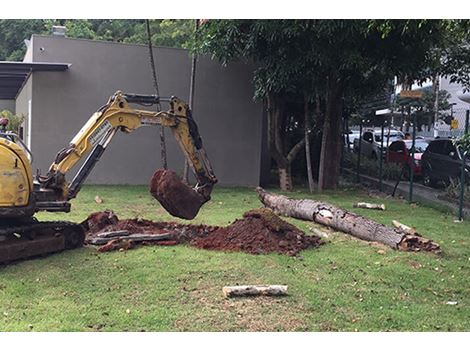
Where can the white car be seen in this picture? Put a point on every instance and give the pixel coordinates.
(371, 141)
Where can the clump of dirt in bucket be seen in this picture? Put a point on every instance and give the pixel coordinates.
(259, 231)
(177, 198)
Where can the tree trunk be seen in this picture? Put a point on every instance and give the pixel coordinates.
(285, 178)
(330, 155)
(345, 221)
(276, 141)
(435, 86)
(307, 145)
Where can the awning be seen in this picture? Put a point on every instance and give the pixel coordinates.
(14, 74)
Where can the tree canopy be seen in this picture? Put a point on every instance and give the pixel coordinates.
(337, 62)
(172, 33)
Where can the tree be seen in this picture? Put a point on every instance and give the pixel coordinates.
(276, 48)
(334, 59)
(424, 108)
(172, 33)
(12, 35)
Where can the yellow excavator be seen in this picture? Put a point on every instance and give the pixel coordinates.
(22, 195)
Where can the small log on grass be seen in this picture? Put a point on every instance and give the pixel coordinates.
(255, 290)
(345, 221)
(369, 206)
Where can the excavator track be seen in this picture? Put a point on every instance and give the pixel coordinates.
(35, 238)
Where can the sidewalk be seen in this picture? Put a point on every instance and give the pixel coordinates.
(421, 193)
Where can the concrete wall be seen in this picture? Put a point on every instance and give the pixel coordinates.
(7, 105)
(229, 121)
(22, 108)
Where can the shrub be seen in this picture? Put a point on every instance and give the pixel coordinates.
(370, 167)
(15, 121)
(453, 190)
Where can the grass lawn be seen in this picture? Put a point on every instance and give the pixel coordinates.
(345, 285)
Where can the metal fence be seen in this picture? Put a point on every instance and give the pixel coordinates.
(455, 127)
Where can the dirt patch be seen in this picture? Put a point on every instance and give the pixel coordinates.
(259, 231)
(97, 221)
(177, 198)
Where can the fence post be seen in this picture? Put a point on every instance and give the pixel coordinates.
(381, 156)
(358, 167)
(462, 172)
(412, 159)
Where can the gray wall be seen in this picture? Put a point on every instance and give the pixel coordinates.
(22, 108)
(7, 105)
(229, 121)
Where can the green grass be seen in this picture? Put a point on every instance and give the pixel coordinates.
(345, 285)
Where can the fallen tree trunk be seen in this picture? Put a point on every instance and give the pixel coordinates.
(345, 221)
(252, 290)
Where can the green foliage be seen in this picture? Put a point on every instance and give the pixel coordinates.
(12, 35)
(15, 121)
(171, 33)
(424, 107)
(464, 143)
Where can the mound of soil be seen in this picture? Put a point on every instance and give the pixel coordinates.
(177, 198)
(260, 231)
(97, 221)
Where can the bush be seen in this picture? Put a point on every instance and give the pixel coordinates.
(453, 190)
(370, 167)
(15, 121)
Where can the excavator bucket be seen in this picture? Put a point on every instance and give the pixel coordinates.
(177, 198)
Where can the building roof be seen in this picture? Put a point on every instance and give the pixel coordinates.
(13, 75)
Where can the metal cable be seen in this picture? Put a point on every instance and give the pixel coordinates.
(155, 86)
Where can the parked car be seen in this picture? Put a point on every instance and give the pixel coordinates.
(442, 161)
(400, 152)
(371, 141)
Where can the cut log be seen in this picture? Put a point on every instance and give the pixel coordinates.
(112, 234)
(136, 237)
(369, 206)
(345, 221)
(255, 290)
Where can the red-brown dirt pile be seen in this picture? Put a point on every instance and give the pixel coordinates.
(260, 231)
(177, 198)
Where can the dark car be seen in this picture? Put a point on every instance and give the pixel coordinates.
(442, 161)
(400, 152)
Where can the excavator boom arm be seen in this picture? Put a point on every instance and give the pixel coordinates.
(118, 115)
